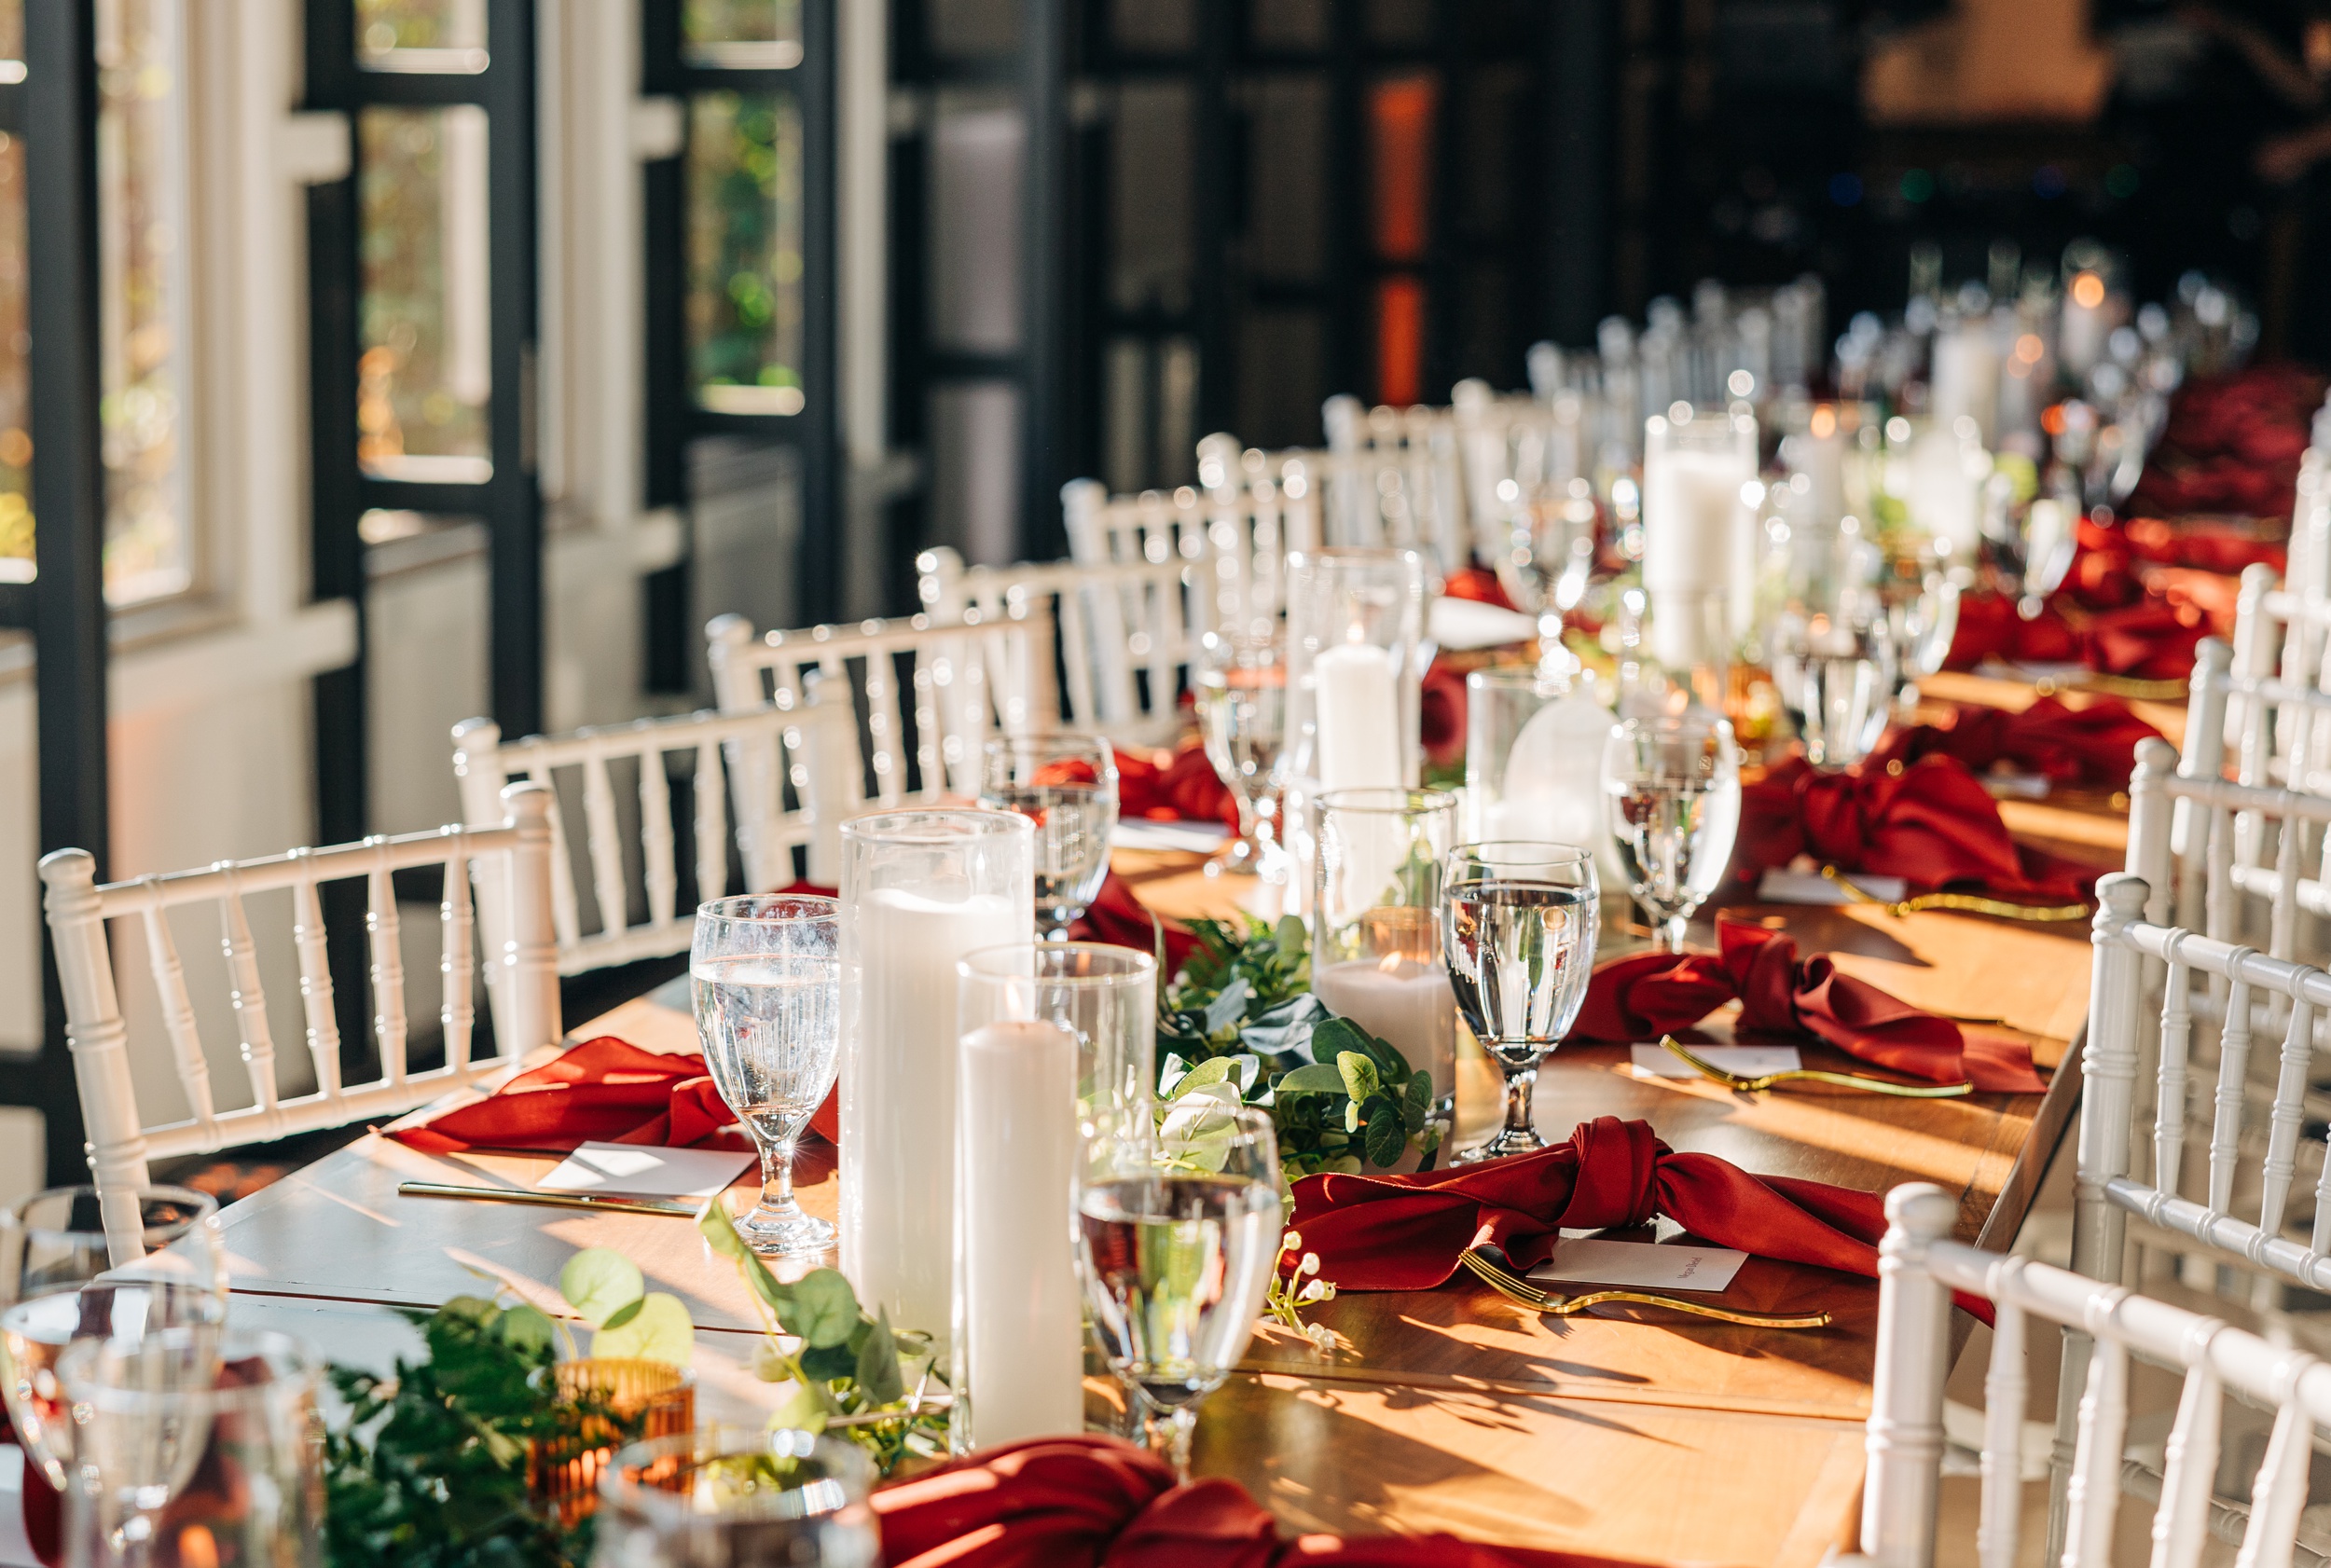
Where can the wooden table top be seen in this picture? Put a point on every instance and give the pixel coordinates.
(1445, 1410)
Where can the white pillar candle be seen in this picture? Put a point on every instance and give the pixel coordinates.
(1691, 509)
(1358, 709)
(2086, 325)
(1401, 1001)
(898, 1092)
(1965, 378)
(1021, 1312)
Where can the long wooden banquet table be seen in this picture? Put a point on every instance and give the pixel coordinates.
(1633, 1434)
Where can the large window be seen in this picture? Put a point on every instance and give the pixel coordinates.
(141, 183)
(742, 298)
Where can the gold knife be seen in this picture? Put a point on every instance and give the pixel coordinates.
(545, 1199)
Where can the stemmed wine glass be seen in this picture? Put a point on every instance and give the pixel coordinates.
(1672, 788)
(1178, 1235)
(766, 973)
(59, 1285)
(1067, 784)
(1518, 933)
(1242, 715)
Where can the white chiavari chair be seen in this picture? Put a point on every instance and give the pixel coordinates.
(733, 766)
(1260, 507)
(1396, 478)
(2108, 1328)
(520, 970)
(1125, 639)
(905, 702)
(2274, 713)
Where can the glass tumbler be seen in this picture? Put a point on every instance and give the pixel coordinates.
(1672, 793)
(196, 1447)
(766, 972)
(1375, 922)
(738, 1497)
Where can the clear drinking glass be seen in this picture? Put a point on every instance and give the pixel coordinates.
(196, 1446)
(1354, 661)
(57, 1285)
(1672, 786)
(1178, 1235)
(1375, 923)
(1520, 921)
(737, 1497)
(1836, 682)
(1242, 715)
(1067, 785)
(1104, 995)
(767, 975)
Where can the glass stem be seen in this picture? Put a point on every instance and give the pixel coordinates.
(1520, 1083)
(777, 1177)
(1672, 933)
(1167, 1432)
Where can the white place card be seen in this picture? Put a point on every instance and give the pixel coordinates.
(1745, 1060)
(1145, 834)
(1811, 886)
(1640, 1266)
(636, 1170)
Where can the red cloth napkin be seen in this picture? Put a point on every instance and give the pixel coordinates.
(2093, 745)
(43, 1505)
(1407, 1233)
(1173, 786)
(1930, 822)
(604, 1091)
(1118, 917)
(1099, 1502)
(1647, 995)
(2151, 641)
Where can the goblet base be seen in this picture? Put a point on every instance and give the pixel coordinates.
(1507, 1141)
(777, 1234)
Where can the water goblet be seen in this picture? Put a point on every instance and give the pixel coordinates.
(766, 974)
(1067, 785)
(1178, 1236)
(1670, 785)
(1242, 715)
(1519, 923)
(59, 1284)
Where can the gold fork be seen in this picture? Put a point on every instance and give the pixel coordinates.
(1972, 904)
(1523, 1293)
(1708, 1069)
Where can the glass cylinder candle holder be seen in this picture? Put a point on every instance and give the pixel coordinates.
(1056, 1045)
(919, 890)
(725, 1496)
(1700, 529)
(1375, 944)
(1355, 652)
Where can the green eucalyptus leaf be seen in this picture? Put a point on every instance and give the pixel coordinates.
(1359, 1073)
(526, 1330)
(1229, 1006)
(1387, 1137)
(1173, 1066)
(1419, 1089)
(1318, 1078)
(1291, 935)
(623, 1315)
(825, 1308)
(769, 1363)
(808, 1410)
(660, 1331)
(715, 1226)
(824, 1363)
(599, 1281)
(1218, 1070)
(878, 1374)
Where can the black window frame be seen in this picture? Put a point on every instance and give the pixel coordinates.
(674, 417)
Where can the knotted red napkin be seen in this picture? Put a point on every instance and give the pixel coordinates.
(1099, 1502)
(603, 1091)
(1930, 822)
(2093, 745)
(1647, 995)
(1173, 786)
(1407, 1233)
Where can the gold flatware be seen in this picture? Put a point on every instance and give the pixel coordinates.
(547, 1200)
(2112, 685)
(1971, 904)
(1708, 1069)
(1523, 1293)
